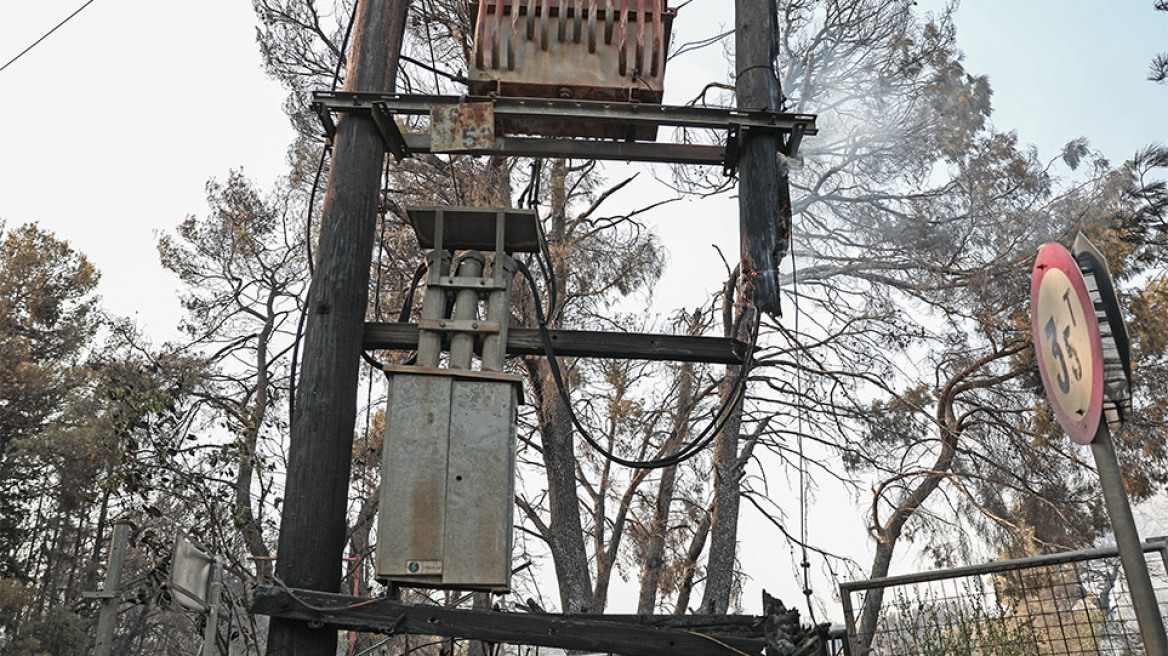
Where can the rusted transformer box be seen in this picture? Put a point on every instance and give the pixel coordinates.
(599, 50)
(447, 479)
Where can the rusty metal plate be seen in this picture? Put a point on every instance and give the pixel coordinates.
(480, 485)
(464, 128)
(411, 545)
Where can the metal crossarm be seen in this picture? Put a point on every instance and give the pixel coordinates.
(734, 123)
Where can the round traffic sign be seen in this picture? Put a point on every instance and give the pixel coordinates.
(1066, 342)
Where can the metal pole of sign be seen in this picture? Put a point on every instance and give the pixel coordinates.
(1127, 540)
(108, 618)
(209, 647)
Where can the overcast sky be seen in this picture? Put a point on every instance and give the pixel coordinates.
(113, 125)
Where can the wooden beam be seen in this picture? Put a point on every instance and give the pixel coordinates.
(626, 635)
(584, 344)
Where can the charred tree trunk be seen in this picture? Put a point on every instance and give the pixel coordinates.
(738, 318)
(566, 535)
(697, 545)
(654, 560)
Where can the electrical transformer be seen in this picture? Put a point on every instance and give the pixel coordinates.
(448, 467)
(595, 50)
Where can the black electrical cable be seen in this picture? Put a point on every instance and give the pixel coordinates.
(295, 363)
(46, 35)
(543, 256)
(708, 434)
(403, 315)
(344, 47)
(308, 223)
(408, 306)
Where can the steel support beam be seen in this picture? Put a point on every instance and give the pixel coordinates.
(583, 344)
(710, 118)
(625, 151)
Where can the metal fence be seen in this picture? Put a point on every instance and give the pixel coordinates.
(1057, 605)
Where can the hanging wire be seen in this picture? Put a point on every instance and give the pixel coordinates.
(45, 36)
(805, 563)
(311, 274)
(703, 440)
(341, 59)
(543, 256)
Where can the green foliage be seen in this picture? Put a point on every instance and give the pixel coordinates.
(61, 633)
(48, 314)
(14, 598)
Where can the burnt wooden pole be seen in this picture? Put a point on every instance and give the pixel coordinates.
(312, 531)
(764, 205)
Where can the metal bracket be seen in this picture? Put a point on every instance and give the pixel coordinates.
(390, 132)
(794, 141)
(459, 326)
(733, 145)
(463, 282)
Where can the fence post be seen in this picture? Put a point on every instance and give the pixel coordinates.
(849, 619)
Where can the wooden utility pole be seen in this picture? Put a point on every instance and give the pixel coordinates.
(764, 197)
(764, 212)
(312, 533)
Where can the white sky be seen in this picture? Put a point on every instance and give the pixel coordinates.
(113, 125)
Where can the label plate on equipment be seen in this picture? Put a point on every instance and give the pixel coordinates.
(424, 567)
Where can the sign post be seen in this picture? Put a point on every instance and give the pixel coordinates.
(1070, 351)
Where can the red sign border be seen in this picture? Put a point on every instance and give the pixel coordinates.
(1055, 256)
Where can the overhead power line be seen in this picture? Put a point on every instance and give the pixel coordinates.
(46, 35)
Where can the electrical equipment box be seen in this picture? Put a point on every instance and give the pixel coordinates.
(448, 469)
(447, 479)
(600, 50)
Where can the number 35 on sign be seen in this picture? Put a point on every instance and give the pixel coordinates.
(1066, 342)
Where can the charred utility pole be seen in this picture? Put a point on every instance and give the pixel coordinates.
(312, 533)
(764, 196)
(764, 212)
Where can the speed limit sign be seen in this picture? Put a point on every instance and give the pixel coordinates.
(1066, 342)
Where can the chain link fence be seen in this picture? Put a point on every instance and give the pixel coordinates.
(1057, 605)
